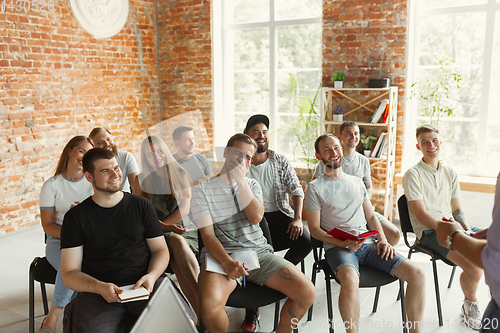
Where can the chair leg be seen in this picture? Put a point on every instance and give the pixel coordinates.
(44, 298)
(452, 276)
(375, 302)
(329, 302)
(438, 296)
(403, 307)
(313, 280)
(303, 266)
(276, 315)
(31, 301)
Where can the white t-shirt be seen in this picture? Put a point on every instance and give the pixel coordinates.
(263, 174)
(340, 202)
(128, 165)
(434, 187)
(60, 193)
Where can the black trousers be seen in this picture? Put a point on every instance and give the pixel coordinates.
(89, 312)
(298, 248)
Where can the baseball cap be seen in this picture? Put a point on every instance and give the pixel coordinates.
(256, 119)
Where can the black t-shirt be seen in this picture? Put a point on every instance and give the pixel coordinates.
(113, 239)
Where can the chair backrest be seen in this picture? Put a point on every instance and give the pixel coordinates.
(404, 218)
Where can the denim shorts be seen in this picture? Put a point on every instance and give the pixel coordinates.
(338, 257)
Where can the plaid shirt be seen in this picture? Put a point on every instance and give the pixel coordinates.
(285, 182)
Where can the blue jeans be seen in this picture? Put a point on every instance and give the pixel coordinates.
(338, 257)
(62, 295)
(491, 318)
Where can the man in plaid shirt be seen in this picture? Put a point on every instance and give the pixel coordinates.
(279, 182)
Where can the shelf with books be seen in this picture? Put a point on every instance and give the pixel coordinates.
(364, 107)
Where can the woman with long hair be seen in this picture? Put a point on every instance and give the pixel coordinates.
(168, 186)
(67, 188)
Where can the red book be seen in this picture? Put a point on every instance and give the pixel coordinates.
(386, 114)
(344, 233)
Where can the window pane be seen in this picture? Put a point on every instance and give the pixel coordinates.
(299, 46)
(450, 3)
(251, 49)
(308, 83)
(251, 92)
(493, 129)
(293, 9)
(459, 148)
(244, 11)
(460, 35)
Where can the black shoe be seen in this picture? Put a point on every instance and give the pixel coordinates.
(251, 321)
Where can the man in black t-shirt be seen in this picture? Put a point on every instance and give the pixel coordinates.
(110, 240)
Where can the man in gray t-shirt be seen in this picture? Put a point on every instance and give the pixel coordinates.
(196, 165)
(338, 199)
(228, 209)
(358, 165)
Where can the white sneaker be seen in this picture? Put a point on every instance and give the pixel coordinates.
(471, 316)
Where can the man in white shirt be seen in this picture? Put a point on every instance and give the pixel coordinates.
(433, 191)
(356, 164)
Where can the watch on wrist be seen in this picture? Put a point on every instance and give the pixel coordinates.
(449, 239)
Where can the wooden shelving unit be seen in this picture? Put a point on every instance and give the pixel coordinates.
(360, 103)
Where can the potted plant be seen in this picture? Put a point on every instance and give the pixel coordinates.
(338, 79)
(367, 141)
(338, 113)
(438, 95)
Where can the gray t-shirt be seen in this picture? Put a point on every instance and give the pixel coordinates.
(128, 165)
(263, 174)
(197, 166)
(355, 165)
(340, 202)
(231, 226)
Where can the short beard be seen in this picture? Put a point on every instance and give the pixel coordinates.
(107, 190)
(262, 148)
(186, 152)
(330, 166)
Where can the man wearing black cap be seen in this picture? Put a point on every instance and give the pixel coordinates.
(279, 182)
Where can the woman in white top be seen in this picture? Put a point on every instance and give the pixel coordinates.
(66, 189)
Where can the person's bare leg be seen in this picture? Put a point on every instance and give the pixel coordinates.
(191, 295)
(391, 232)
(186, 268)
(349, 297)
(469, 279)
(300, 291)
(215, 289)
(415, 293)
(52, 316)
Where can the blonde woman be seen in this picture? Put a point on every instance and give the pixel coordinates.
(67, 188)
(168, 186)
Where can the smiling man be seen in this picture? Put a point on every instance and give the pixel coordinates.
(339, 199)
(279, 182)
(103, 139)
(433, 191)
(228, 209)
(110, 240)
(356, 164)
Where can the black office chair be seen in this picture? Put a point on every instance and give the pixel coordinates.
(254, 295)
(42, 271)
(406, 227)
(369, 277)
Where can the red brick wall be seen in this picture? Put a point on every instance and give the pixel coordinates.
(185, 53)
(57, 81)
(367, 39)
